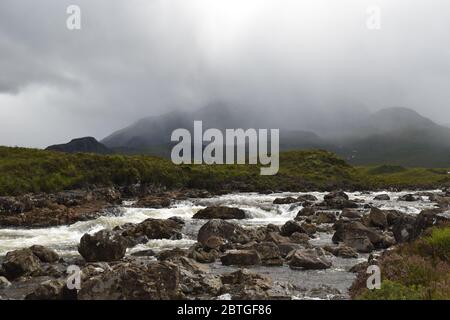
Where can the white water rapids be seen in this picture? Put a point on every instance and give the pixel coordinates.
(258, 207)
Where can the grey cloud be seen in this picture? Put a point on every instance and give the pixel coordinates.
(139, 58)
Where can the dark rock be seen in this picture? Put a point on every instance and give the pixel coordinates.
(287, 200)
(360, 243)
(143, 253)
(171, 254)
(224, 229)
(19, 263)
(342, 251)
(102, 246)
(203, 255)
(45, 254)
(325, 217)
(305, 212)
(241, 258)
(220, 212)
(354, 229)
(377, 218)
(154, 229)
(129, 281)
(153, 202)
(405, 229)
(48, 290)
(307, 197)
(350, 214)
(308, 259)
(409, 198)
(290, 227)
(269, 253)
(383, 197)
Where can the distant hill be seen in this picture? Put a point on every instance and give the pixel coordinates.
(396, 135)
(85, 145)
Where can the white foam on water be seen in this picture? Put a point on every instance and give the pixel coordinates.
(258, 207)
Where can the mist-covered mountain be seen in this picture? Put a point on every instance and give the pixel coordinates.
(393, 135)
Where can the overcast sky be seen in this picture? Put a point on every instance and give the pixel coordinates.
(136, 58)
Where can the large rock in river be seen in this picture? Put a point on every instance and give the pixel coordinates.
(308, 259)
(223, 229)
(102, 246)
(220, 212)
(19, 263)
(241, 258)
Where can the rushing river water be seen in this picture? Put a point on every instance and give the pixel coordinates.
(259, 210)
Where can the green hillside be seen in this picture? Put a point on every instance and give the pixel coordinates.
(30, 170)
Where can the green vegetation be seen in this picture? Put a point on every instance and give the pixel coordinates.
(30, 170)
(419, 270)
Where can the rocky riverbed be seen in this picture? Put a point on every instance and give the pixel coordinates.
(193, 245)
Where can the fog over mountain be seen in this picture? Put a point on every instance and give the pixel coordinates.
(304, 65)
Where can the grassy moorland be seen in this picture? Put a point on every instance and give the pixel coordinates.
(30, 170)
(414, 271)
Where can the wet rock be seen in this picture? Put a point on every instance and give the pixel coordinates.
(309, 228)
(405, 229)
(203, 255)
(269, 253)
(171, 254)
(130, 281)
(382, 197)
(48, 290)
(243, 284)
(276, 238)
(290, 227)
(338, 200)
(287, 200)
(196, 279)
(143, 253)
(287, 247)
(308, 259)
(102, 246)
(19, 263)
(305, 212)
(153, 202)
(342, 251)
(45, 254)
(377, 218)
(346, 230)
(214, 243)
(224, 229)
(325, 217)
(360, 243)
(301, 238)
(307, 197)
(154, 229)
(241, 258)
(350, 214)
(220, 212)
(409, 198)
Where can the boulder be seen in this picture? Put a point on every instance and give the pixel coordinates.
(307, 197)
(48, 290)
(287, 200)
(350, 214)
(131, 281)
(377, 218)
(19, 263)
(382, 197)
(243, 284)
(342, 251)
(308, 259)
(336, 194)
(290, 227)
(287, 247)
(153, 202)
(220, 212)
(154, 229)
(305, 212)
(338, 200)
(45, 254)
(171, 254)
(405, 229)
(241, 258)
(269, 253)
(409, 198)
(102, 246)
(227, 230)
(353, 230)
(203, 255)
(360, 243)
(325, 217)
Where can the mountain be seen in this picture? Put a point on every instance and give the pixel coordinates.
(389, 136)
(86, 144)
(397, 136)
